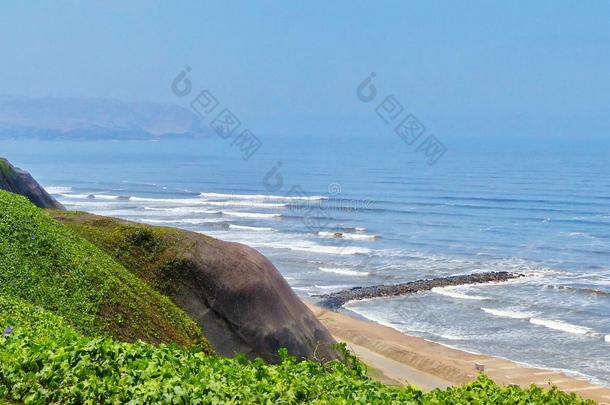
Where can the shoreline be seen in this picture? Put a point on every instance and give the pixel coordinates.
(398, 358)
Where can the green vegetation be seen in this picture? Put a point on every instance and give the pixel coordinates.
(44, 360)
(154, 254)
(45, 263)
(6, 170)
(77, 319)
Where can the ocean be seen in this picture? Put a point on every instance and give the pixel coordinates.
(337, 212)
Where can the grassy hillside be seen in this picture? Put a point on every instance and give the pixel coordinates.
(46, 264)
(44, 360)
(152, 253)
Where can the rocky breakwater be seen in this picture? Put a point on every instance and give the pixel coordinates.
(337, 299)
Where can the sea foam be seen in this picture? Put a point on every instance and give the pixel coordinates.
(561, 326)
(254, 215)
(451, 292)
(304, 246)
(260, 197)
(191, 221)
(179, 211)
(253, 204)
(250, 228)
(345, 272)
(57, 190)
(507, 314)
(345, 235)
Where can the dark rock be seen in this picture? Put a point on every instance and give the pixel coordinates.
(245, 306)
(337, 299)
(240, 300)
(21, 182)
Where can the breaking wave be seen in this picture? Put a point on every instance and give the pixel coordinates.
(250, 228)
(561, 326)
(58, 190)
(345, 235)
(261, 197)
(254, 215)
(342, 271)
(451, 292)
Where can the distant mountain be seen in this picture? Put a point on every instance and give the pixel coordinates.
(94, 118)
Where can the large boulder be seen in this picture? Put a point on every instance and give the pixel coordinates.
(21, 182)
(240, 300)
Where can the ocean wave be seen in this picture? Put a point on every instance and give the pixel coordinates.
(451, 292)
(350, 236)
(173, 201)
(530, 275)
(250, 228)
(607, 338)
(180, 201)
(75, 196)
(507, 314)
(105, 197)
(253, 204)
(450, 337)
(584, 290)
(261, 197)
(182, 210)
(332, 287)
(190, 221)
(57, 190)
(577, 234)
(105, 206)
(347, 250)
(306, 289)
(562, 326)
(345, 272)
(109, 197)
(303, 246)
(254, 215)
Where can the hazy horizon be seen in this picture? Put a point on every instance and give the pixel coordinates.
(482, 69)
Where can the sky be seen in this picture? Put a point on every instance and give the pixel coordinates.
(475, 68)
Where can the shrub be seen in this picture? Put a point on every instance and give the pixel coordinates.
(43, 361)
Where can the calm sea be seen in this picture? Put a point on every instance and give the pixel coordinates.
(337, 212)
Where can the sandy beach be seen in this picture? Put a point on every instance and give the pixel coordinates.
(396, 358)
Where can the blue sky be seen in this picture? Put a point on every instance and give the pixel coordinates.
(476, 68)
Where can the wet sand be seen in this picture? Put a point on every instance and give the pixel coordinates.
(403, 359)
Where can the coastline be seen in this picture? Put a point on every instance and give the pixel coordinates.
(395, 357)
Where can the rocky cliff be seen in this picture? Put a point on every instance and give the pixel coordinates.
(21, 182)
